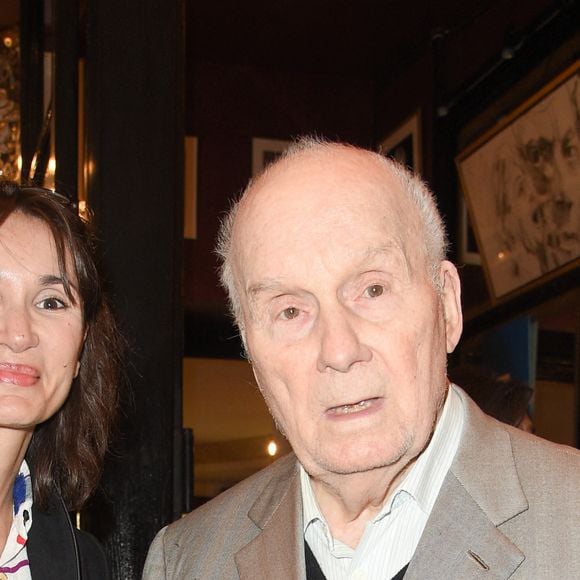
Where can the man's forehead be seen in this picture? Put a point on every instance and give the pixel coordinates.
(319, 179)
(297, 200)
(391, 253)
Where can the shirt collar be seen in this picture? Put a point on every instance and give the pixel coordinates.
(425, 478)
(310, 509)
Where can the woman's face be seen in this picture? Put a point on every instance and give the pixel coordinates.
(41, 331)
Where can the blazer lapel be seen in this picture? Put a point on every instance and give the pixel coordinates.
(278, 550)
(463, 537)
(460, 541)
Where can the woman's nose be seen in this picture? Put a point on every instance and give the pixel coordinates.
(17, 329)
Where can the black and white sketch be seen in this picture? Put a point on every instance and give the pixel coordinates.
(522, 184)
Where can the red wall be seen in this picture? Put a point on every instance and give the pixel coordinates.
(226, 108)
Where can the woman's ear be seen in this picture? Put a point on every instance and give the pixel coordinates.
(78, 367)
(451, 300)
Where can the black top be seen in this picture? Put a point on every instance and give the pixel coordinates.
(313, 571)
(58, 551)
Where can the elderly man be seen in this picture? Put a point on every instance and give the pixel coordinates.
(334, 260)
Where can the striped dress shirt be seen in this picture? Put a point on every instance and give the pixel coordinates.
(391, 538)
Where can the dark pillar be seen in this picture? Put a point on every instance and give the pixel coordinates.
(135, 132)
(31, 79)
(65, 95)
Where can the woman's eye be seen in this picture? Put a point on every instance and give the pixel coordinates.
(51, 304)
(290, 313)
(375, 291)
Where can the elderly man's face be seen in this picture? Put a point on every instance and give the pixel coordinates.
(345, 331)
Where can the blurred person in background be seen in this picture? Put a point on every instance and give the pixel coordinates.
(502, 397)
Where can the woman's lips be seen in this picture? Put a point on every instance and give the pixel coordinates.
(21, 375)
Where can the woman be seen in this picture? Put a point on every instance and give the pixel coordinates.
(59, 354)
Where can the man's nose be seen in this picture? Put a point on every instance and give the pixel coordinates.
(16, 329)
(340, 343)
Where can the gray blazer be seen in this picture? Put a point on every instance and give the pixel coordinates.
(509, 508)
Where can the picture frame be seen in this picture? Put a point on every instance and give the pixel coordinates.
(404, 143)
(468, 251)
(190, 188)
(521, 181)
(264, 151)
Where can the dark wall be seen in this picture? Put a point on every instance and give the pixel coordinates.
(226, 107)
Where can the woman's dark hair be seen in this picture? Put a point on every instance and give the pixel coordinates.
(68, 449)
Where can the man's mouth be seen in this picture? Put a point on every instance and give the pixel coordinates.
(351, 408)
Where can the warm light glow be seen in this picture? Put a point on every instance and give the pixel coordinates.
(90, 168)
(49, 175)
(8, 42)
(84, 210)
(272, 448)
(501, 255)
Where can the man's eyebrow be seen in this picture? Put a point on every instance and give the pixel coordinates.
(389, 249)
(266, 285)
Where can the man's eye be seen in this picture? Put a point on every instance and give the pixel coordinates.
(568, 149)
(51, 304)
(375, 291)
(290, 313)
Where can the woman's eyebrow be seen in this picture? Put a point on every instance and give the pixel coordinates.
(52, 280)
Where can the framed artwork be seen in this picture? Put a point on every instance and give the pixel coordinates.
(190, 187)
(468, 252)
(404, 143)
(265, 151)
(521, 182)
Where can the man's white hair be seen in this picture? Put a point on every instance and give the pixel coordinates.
(434, 236)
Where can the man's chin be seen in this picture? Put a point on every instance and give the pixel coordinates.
(352, 464)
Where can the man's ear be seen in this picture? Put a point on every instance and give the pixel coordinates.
(451, 300)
